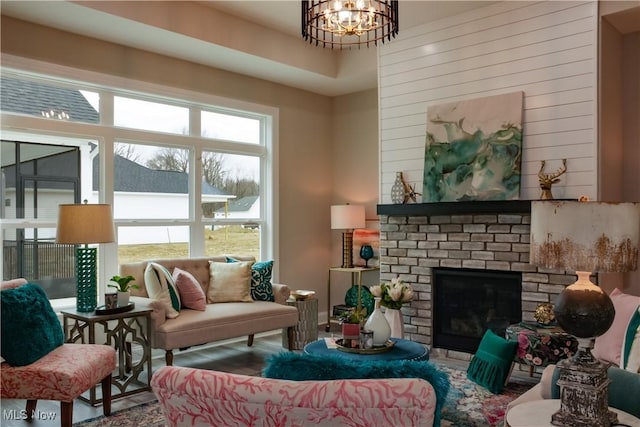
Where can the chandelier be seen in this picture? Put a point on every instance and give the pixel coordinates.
(348, 23)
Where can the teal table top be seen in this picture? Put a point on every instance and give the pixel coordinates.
(401, 350)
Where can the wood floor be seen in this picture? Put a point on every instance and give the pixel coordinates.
(228, 356)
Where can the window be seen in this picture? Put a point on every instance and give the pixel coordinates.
(186, 173)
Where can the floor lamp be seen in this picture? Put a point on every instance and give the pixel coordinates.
(584, 237)
(347, 217)
(84, 224)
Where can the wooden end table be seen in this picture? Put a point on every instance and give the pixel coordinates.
(120, 330)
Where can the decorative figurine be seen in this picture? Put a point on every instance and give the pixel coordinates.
(548, 179)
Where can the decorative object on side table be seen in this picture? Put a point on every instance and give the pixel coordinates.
(393, 295)
(548, 179)
(544, 314)
(85, 224)
(584, 237)
(366, 298)
(366, 253)
(351, 321)
(123, 286)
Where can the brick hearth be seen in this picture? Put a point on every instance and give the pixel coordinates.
(414, 242)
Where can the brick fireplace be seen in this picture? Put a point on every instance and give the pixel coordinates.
(417, 238)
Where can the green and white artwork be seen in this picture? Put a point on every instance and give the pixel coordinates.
(474, 150)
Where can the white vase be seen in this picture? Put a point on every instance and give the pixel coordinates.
(378, 324)
(396, 322)
(397, 189)
(123, 298)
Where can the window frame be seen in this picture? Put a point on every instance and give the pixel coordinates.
(107, 135)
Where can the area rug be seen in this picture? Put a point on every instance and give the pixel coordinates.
(467, 405)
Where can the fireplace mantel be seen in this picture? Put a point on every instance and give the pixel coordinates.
(454, 208)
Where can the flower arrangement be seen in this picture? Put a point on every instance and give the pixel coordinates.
(393, 294)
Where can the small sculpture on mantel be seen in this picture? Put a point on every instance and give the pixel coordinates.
(409, 193)
(548, 179)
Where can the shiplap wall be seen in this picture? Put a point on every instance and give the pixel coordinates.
(546, 49)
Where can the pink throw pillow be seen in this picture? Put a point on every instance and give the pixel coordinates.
(191, 294)
(608, 346)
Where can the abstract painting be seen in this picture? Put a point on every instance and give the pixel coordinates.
(474, 149)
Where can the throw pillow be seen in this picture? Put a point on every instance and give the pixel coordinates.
(229, 282)
(160, 286)
(491, 364)
(608, 346)
(305, 367)
(261, 288)
(191, 293)
(630, 359)
(30, 328)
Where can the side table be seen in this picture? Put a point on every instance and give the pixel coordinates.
(306, 329)
(120, 330)
(540, 346)
(356, 277)
(537, 413)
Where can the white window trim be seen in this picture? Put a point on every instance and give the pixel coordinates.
(100, 82)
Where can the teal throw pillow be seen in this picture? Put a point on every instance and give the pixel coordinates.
(30, 327)
(305, 367)
(491, 364)
(261, 288)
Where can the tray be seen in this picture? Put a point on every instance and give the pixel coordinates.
(375, 350)
(103, 310)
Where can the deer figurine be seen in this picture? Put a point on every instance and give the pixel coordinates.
(548, 179)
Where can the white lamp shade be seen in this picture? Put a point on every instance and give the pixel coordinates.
(85, 223)
(345, 217)
(585, 236)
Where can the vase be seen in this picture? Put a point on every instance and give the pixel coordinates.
(123, 298)
(397, 189)
(396, 322)
(378, 324)
(366, 253)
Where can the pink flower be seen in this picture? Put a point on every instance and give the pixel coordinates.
(376, 290)
(537, 361)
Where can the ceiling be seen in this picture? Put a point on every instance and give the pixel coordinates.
(256, 38)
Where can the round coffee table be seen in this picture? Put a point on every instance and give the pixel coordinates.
(402, 350)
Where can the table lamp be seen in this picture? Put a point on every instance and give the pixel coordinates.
(347, 217)
(584, 237)
(84, 224)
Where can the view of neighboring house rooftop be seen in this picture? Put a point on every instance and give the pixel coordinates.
(239, 205)
(33, 98)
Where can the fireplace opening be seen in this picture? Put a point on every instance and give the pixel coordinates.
(467, 302)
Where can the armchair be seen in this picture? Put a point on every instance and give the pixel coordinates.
(63, 372)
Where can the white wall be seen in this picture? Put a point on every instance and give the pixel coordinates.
(548, 50)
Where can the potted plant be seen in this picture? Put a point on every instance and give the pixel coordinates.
(123, 286)
(351, 321)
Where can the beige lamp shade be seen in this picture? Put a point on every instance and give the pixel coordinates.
(345, 217)
(585, 236)
(85, 223)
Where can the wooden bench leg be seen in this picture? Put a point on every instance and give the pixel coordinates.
(290, 331)
(250, 340)
(31, 408)
(66, 409)
(168, 357)
(106, 395)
